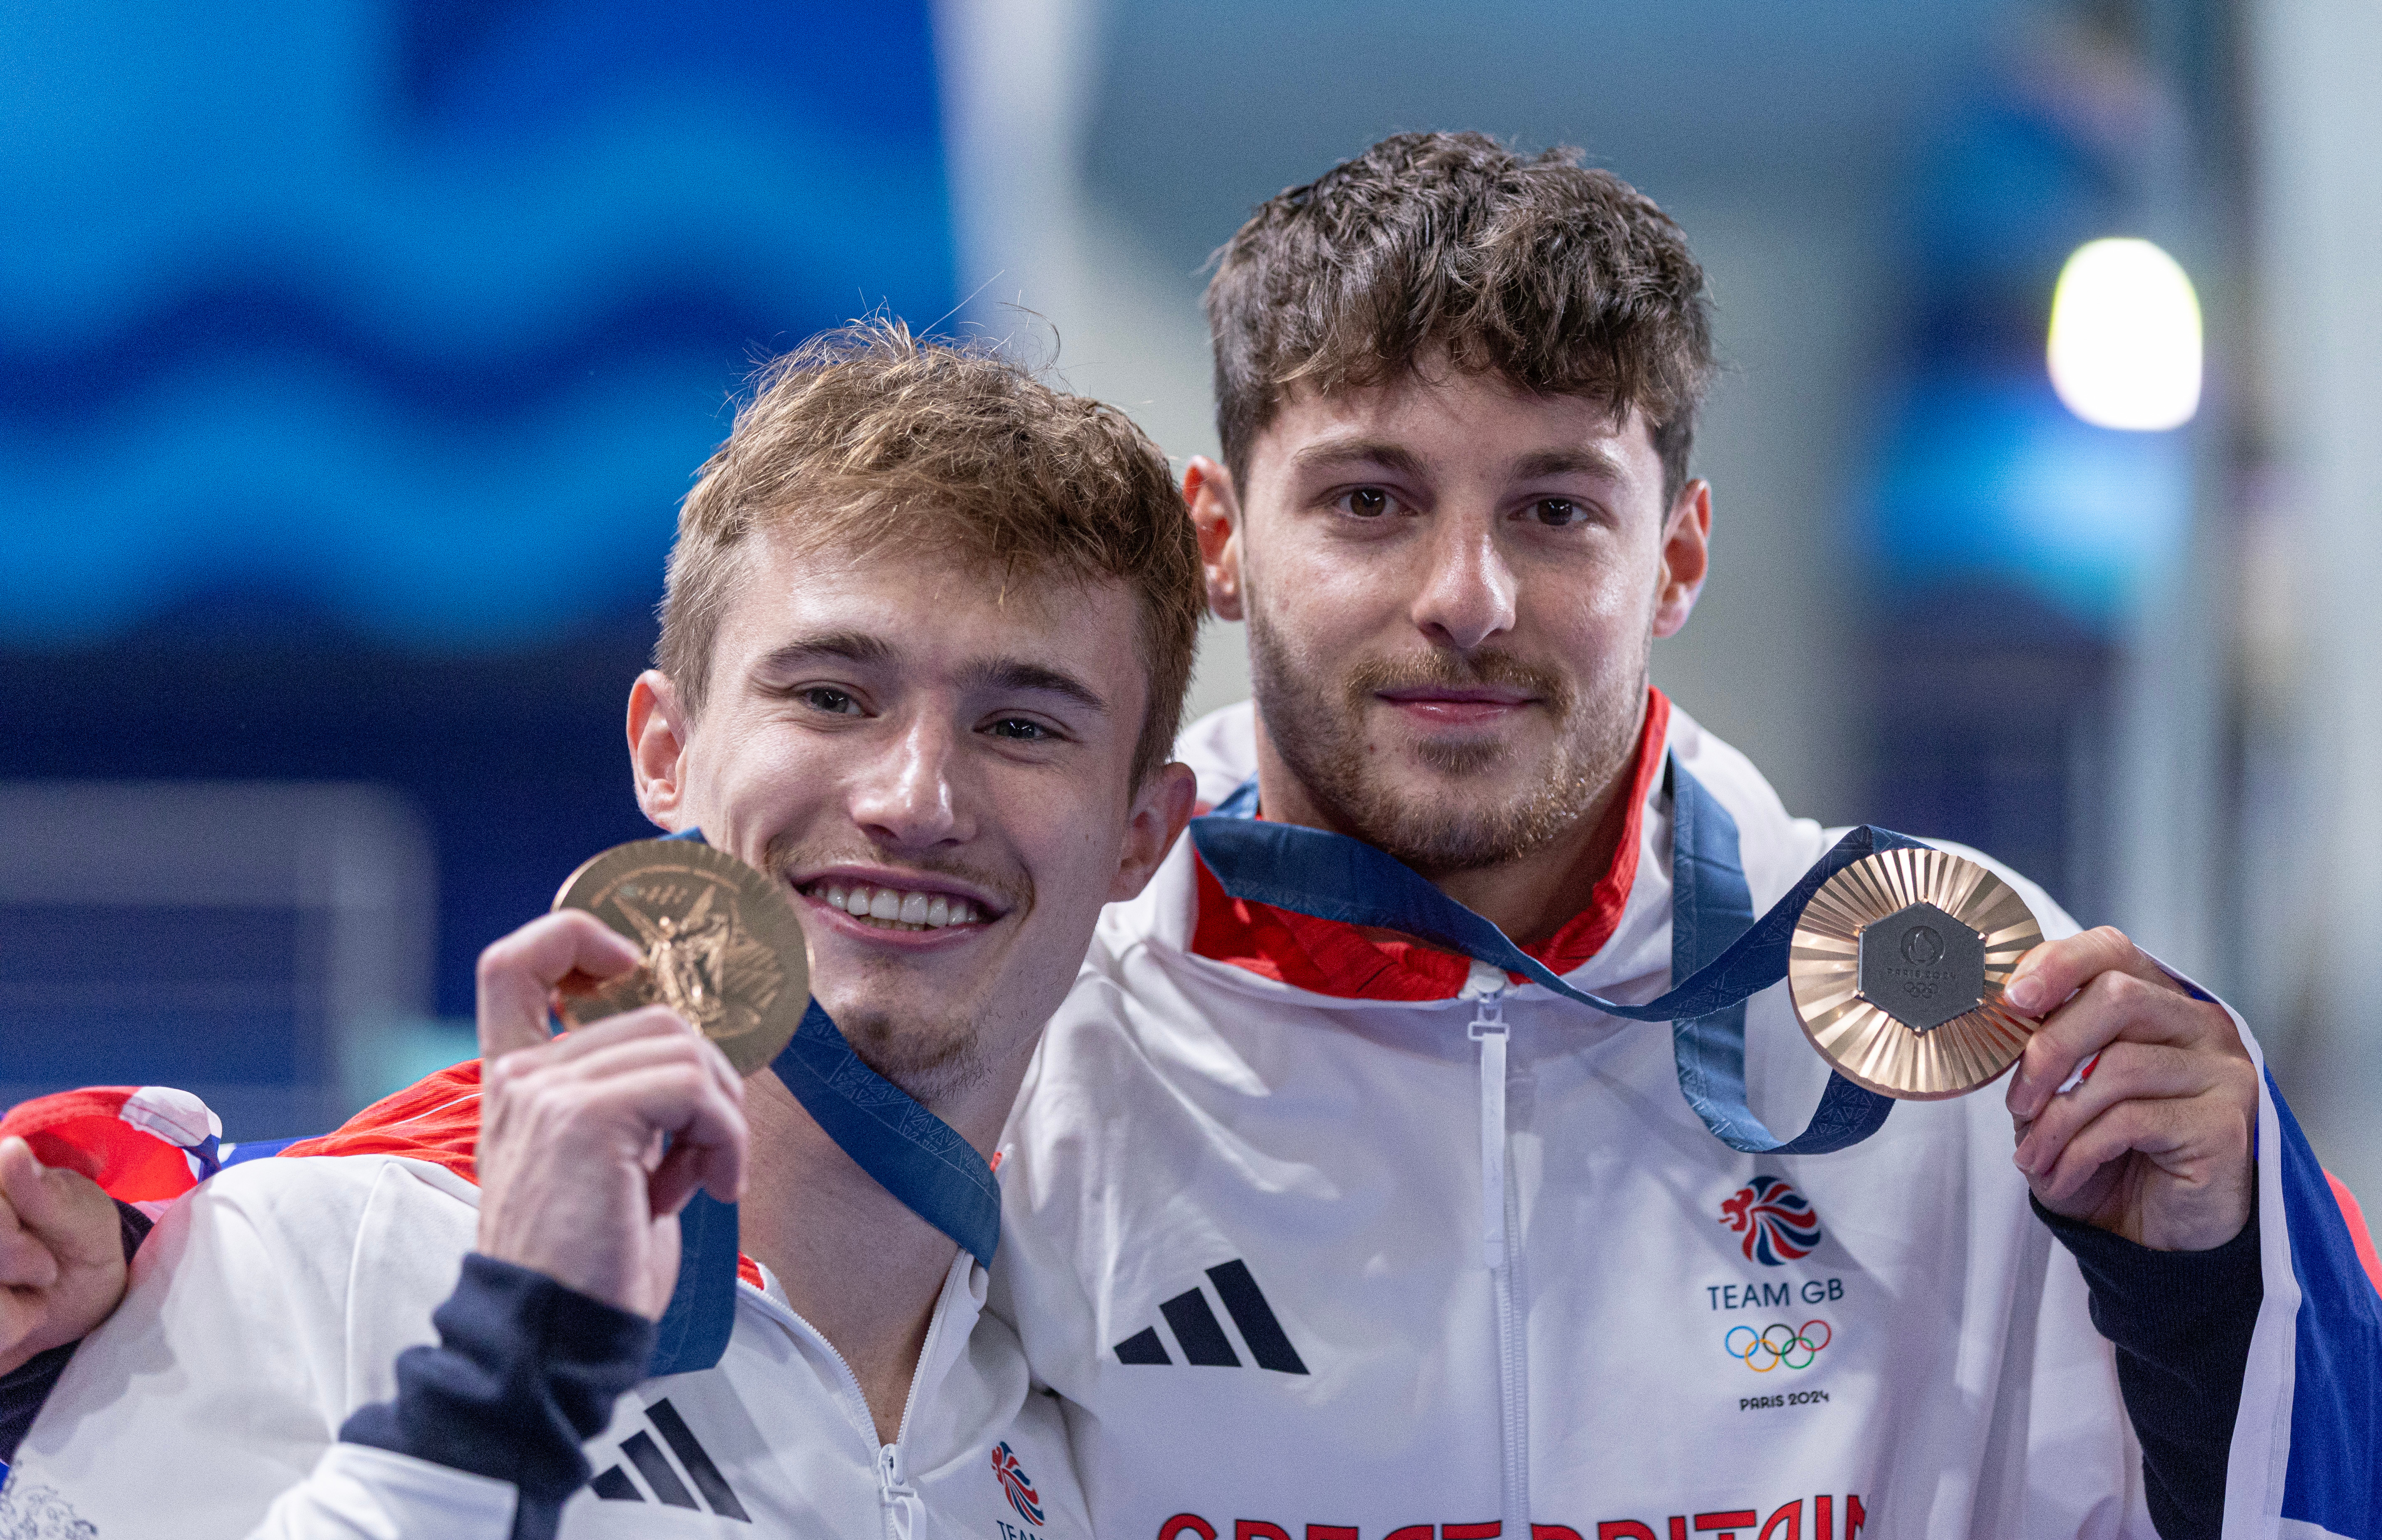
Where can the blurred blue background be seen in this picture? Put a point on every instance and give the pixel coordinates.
(354, 359)
(413, 316)
(354, 356)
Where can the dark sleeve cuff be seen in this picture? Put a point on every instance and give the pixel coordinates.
(24, 1388)
(525, 1370)
(132, 1226)
(22, 1391)
(2181, 1322)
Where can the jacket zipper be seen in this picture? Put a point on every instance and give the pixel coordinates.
(898, 1498)
(901, 1499)
(1489, 1029)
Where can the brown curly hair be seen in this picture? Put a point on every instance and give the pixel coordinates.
(1562, 278)
(868, 438)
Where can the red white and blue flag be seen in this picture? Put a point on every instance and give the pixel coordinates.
(144, 1145)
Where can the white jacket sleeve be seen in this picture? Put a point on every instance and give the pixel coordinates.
(356, 1492)
(264, 1309)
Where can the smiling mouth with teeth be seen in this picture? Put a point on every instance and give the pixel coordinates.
(894, 908)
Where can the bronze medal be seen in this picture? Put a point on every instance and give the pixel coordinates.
(721, 945)
(1897, 972)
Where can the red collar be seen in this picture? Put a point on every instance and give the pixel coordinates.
(436, 1120)
(1327, 958)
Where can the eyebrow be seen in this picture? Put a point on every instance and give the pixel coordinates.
(1585, 459)
(1386, 453)
(998, 674)
(1014, 675)
(851, 646)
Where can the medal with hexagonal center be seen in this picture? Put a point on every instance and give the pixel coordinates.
(1897, 967)
(1922, 966)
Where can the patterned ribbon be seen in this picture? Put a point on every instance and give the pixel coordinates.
(1719, 953)
(911, 1152)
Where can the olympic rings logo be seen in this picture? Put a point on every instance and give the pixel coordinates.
(1765, 1349)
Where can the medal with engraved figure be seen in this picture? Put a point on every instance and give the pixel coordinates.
(718, 942)
(1897, 968)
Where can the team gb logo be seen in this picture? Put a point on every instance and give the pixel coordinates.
(1013, 1482)
(1775, 1224)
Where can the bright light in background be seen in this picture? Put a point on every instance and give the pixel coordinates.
(2124, 337)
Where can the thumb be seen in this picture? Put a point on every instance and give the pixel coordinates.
(2054, 970)
(65, 1209)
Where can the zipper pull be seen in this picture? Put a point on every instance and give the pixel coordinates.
(892, 1491)
(1489, 1031)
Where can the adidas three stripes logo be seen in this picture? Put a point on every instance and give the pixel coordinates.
(693, 1480)
(1201, 1336)
(668, 1481)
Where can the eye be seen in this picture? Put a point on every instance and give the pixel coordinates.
(828, 699)
(1557, 513)
(1365, 502)
(1023, 729)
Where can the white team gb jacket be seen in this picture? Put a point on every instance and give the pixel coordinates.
(273, 1302)
(1244, 1241)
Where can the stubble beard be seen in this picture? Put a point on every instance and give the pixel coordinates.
(1314, 717)
(934, 1061)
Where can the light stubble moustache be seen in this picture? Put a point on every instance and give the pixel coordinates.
(1316, 718)
(931, 1048)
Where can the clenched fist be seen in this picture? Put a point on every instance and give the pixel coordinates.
(591, 1142)
(61, 1255)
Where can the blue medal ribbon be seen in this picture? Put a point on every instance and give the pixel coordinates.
(911, 1153)
(915, 1156)
(1720, 954)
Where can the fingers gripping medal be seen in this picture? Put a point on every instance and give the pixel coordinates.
(1897, 967)
(719, 944)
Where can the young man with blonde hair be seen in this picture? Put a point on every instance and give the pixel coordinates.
(928, 628)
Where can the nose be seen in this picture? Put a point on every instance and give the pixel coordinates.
(907, 798)
(1467, 596)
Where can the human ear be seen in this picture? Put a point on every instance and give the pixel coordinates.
(1687, 557)
(1216, 513)
(657, 735)
(1161, 810)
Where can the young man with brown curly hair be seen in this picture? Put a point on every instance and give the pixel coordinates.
(1334, 1212)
